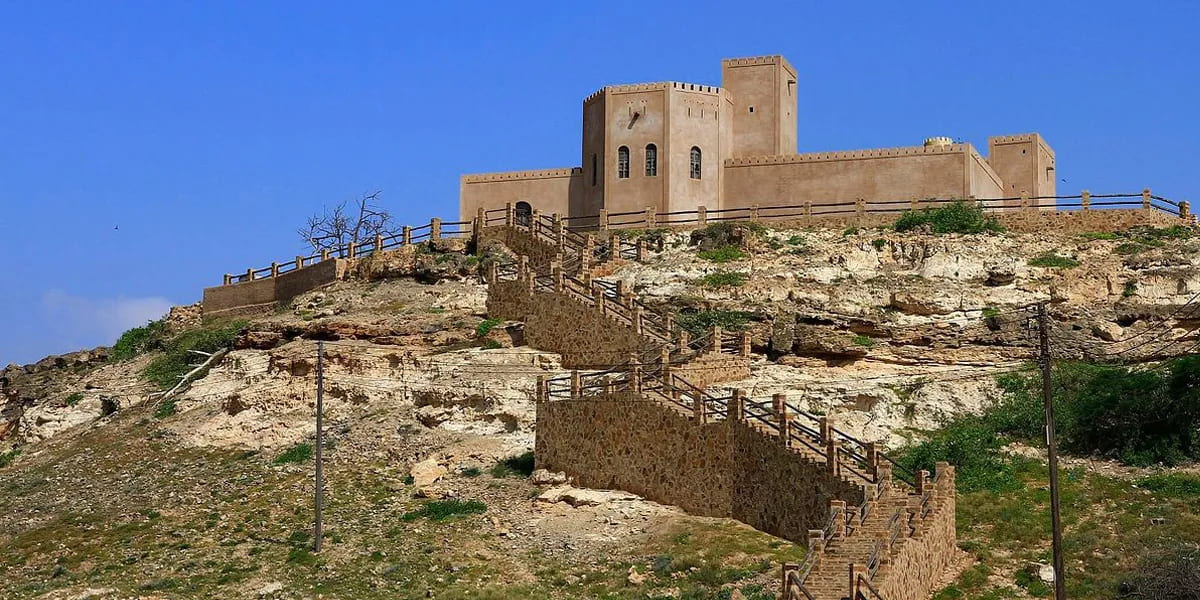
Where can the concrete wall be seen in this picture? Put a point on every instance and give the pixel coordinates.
(719, 469)
(764, 93)
(549, 190)
(890, 174)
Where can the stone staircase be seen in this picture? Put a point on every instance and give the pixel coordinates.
(873, 531)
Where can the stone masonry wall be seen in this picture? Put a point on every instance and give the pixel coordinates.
(540, 253)
(261, 295)
(718, 469)
(707, 369)
(555, 323)
(923, 559)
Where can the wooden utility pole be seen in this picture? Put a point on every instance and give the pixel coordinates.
(318, 500)
(1060, 589)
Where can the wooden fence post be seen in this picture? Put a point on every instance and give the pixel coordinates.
(745, 350)
(716, 339)
(325, 253)
(699, 407)
(228, 279)
(576, 385)
(754, 213)
(250, 274)
(541, 389)
(351, 250)
(1184, 210)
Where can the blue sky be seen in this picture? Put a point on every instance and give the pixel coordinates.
(148, 147)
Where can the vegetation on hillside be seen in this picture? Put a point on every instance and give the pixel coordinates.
(957, 217)
(178, 357)
(702, 322)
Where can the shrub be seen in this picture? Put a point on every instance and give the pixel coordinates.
(484, 327)
(700, 323)
(472, 472)
(1140, 417)
(165, 409)
(74, 398)
(1165, 574)
(442, 510)
(6, 458)
(797, 240)
(864, 341)
(514, 466)
(722, 254)
(1175, 485)
(166, 370)
(720, 279)
(491, 345)
(972, 445)
(139, 340)
(879, 243)
(719, 235)
(852, 230)
(1099, 235)
(296, 454)
(1130, 248)
(1130, 289)
(990, 312)
(956, 217)
(1053, 261)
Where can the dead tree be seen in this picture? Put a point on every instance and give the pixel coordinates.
(345, 224)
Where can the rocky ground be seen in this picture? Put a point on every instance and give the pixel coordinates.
(111, 493)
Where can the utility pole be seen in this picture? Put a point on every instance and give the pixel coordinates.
(320, 442)
(1060, 589)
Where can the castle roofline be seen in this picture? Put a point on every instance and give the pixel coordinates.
(658, 85)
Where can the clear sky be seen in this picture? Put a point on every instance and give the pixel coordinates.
(148, 147)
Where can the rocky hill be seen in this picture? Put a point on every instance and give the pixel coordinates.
(112, 490)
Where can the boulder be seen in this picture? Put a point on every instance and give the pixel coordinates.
(427, 472)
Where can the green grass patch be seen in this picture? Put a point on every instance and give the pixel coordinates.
(723, 254)
(797, 240)
(700, 323)
(485, 326)
(722, 279)
(1100, 235)
(443, 510)
(1053, 261)
(491, 345)
(514, 466)
(74, 398)
(6, 458)
(139, 340)
(166, 370)
(165, 409)
(1173, 485)
(956, 217)
(864, 341)
(299, 453)
(1130, 248)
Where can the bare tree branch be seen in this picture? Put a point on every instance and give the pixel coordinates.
(335, 229)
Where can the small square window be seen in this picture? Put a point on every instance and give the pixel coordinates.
(751, 109)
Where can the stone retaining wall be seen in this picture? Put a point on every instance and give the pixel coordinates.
(262, 295)
(923, 559)
(720, 469)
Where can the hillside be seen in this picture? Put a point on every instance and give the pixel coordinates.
(430, 412)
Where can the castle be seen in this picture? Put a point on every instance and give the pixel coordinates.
(678, 146)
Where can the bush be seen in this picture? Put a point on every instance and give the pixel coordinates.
(972, 445)
(6, 458)
(720, 235)
(1140, 417)
(491, 345)
(74, 398)
(165, 409)
(514, 466)
(956, 217)
(864, 341)
(1130, 248)
(296, 454)
(722, 254)
(1053, 261)
(720, 279)
(1099, 235)
(878, 243)
(1130, 289)
(166, 370)
(700, 323)
(139, 340)
(797, 240)
(484, 327)
(1165, 574)
(442, 510)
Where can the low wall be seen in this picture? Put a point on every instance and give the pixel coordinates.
(261, 295)
(719, 469)
(707, 369)
(556, 323)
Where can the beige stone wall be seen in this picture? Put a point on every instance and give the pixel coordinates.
(1025, 163)
(921, 561)
(698, 119)
(540, 253)
(718, 469)
(251, 297)
(764, 93)
(556, 323)
(984, 182)
(835, 177)
(550, 191)
(635, 117)
(707, 369)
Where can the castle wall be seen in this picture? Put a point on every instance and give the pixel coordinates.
(635, 117)
(261, 295)
(595, 135)
(923, 560)
(764, 92)
(984, 181)
(833, 177)
(549, 190)
(1025, 163)
(697, 119)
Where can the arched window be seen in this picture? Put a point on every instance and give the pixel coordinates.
(623, 162)
(651, 160)
(524, 214)
(695, 162)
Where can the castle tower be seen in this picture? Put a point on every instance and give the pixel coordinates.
(1025, 163)
(764, 97)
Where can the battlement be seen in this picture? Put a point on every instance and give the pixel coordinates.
(660, 85)
(748, 61)
(848, 155)
(516, 175)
